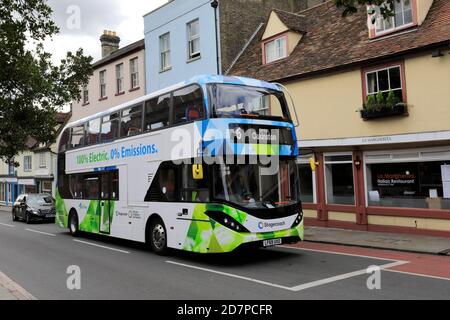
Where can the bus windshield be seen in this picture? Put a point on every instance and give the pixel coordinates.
(231, 101)
(257, 186)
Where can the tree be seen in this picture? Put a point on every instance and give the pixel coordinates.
(32, 88)
(350, 6)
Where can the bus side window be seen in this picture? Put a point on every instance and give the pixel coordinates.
(77, 137)
(114, 175)
(64, 141)
(93, 132)
(91, 187)
(131, 121)
(164, 187)
(76, 186)
(188, 105)
(157, 113)
(110, 128)
(194, 190)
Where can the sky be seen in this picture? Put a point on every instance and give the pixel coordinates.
(82, 22)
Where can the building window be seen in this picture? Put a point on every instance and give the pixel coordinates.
(275, 50)
(46, 187)
(11, 169)
(134, 67)
(27, 166)
(339, 181)
(42, 161)
(103, 84)
(385, 80)
(119, 78)
(403, 16)
(307, 181)
(85, 95)
(164, 48)
(423, 181)
(193, 31)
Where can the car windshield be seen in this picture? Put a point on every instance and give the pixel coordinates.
(257, 186)
(39, 200)
(231, 101)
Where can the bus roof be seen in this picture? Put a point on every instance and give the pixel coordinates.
(200, 79)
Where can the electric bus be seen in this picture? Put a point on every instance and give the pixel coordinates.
(205, 166)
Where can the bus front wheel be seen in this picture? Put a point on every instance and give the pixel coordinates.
(157, 237)
(73, 224)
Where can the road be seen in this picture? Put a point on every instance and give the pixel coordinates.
(37, 257)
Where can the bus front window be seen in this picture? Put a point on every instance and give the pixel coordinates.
(247, 186)
(234, 101)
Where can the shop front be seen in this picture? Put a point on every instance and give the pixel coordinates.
(377, 187)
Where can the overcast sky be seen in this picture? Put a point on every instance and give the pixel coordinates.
(82, 23)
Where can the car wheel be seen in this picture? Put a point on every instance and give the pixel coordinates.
(73, 224)
(158, 237)
(14, 217)
(28, 218)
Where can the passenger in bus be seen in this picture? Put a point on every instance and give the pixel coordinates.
(193, 113)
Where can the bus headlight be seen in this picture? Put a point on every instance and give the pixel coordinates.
(298, 220)
(226, 221)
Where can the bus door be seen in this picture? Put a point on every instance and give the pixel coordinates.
(108, 195)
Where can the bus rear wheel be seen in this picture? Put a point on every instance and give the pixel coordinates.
(73, 224)
(157, 237)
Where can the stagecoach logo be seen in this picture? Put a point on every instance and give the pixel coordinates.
(271, 225)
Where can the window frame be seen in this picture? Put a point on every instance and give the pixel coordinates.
(162, 53)
(304, 160)
(382, 67)
(134, 73)
(190, 39)
(120, 79)
(27, 165)
(274, 38)
(325, 180)
(373, 27)
(85, 96)
(102, 82)
(42, 160)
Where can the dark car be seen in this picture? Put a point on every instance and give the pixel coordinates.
(34, 207)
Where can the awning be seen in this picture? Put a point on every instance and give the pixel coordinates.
(26, 182)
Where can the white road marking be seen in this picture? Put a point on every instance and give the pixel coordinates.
(343, 276)
(299, 287)
(100, 246)
(419, 275)
(7, 225)
(230, 275)
(339, 253)
(41, 232)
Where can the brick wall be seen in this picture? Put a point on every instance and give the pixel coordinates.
(240, 18)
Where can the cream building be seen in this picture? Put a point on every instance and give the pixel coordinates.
(374, 108)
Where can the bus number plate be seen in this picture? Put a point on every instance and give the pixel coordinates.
(271, 242)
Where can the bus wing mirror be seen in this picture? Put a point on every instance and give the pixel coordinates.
(197, 172)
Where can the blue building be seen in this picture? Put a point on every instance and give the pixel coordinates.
(187, 38)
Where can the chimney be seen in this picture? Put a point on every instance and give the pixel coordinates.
(110, 43)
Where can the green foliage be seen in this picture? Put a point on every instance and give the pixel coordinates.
(351, 6)
(32, 88)
(391, 99)
(380, 98)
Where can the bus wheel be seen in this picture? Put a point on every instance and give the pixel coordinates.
(158, 237)
(73, 224)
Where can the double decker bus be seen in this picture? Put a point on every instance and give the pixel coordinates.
(206, 166)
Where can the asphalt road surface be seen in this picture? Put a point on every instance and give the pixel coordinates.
(38, 256)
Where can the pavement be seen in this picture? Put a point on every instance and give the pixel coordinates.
(380, 240)
(39, 260)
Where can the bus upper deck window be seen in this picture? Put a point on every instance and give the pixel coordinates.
(110, 128)
(77, 137)
(64, 141)
(131, 121)
(157, 113)
(188, 104)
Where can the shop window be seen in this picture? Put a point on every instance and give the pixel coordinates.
(409, 185)
(307, 185)
(339, 179)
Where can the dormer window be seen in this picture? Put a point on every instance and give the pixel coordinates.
(275, 49)
(404, 16)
